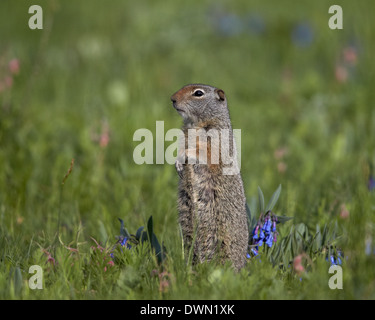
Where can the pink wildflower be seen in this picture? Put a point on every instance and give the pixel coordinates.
(297, 264)
(14, 66)
(344, 213)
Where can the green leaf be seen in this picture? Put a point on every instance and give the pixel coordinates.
(288, 245)
(285, 261)
(317, 238)
(274, 199)
(324, 235)
(103, 232)
(123, 231)
(150, 228)
(301, 230)
(248, 212)
(122, 223)
(261, 200)
(251, 221)
(139, 233)
(276, 255)
(156, 246)
(282, 219)
(17, 281)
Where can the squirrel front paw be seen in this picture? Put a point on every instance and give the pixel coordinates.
(179, 168)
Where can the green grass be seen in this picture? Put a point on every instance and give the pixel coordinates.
(112, 67)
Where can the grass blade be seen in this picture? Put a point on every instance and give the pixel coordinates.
(261, 200)
(274, 199)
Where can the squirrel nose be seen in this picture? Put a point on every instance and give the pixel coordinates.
(174, 101)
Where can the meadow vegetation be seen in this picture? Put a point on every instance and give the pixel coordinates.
(301, 93)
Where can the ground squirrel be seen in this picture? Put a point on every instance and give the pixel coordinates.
(212, 204)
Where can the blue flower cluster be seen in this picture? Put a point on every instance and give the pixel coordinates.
(335, 260)
(231, 24)
(303, 35)
(123, 242)
(264, 232)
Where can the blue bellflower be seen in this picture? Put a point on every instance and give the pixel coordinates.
(303, 35)
(264, 232)
(123, 242)
(371, 183)
(335, 260)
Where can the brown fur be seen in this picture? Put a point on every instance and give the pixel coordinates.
(211, 205)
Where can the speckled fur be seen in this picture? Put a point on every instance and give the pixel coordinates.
(211, 205)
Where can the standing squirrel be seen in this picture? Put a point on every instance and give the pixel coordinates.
(211, 203)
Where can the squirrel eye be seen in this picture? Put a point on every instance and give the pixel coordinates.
(198, 93)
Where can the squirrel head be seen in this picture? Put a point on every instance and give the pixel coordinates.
(199, 103)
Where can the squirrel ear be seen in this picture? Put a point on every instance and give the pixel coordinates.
(220, 94)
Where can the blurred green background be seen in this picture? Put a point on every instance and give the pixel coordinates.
(301, 93)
